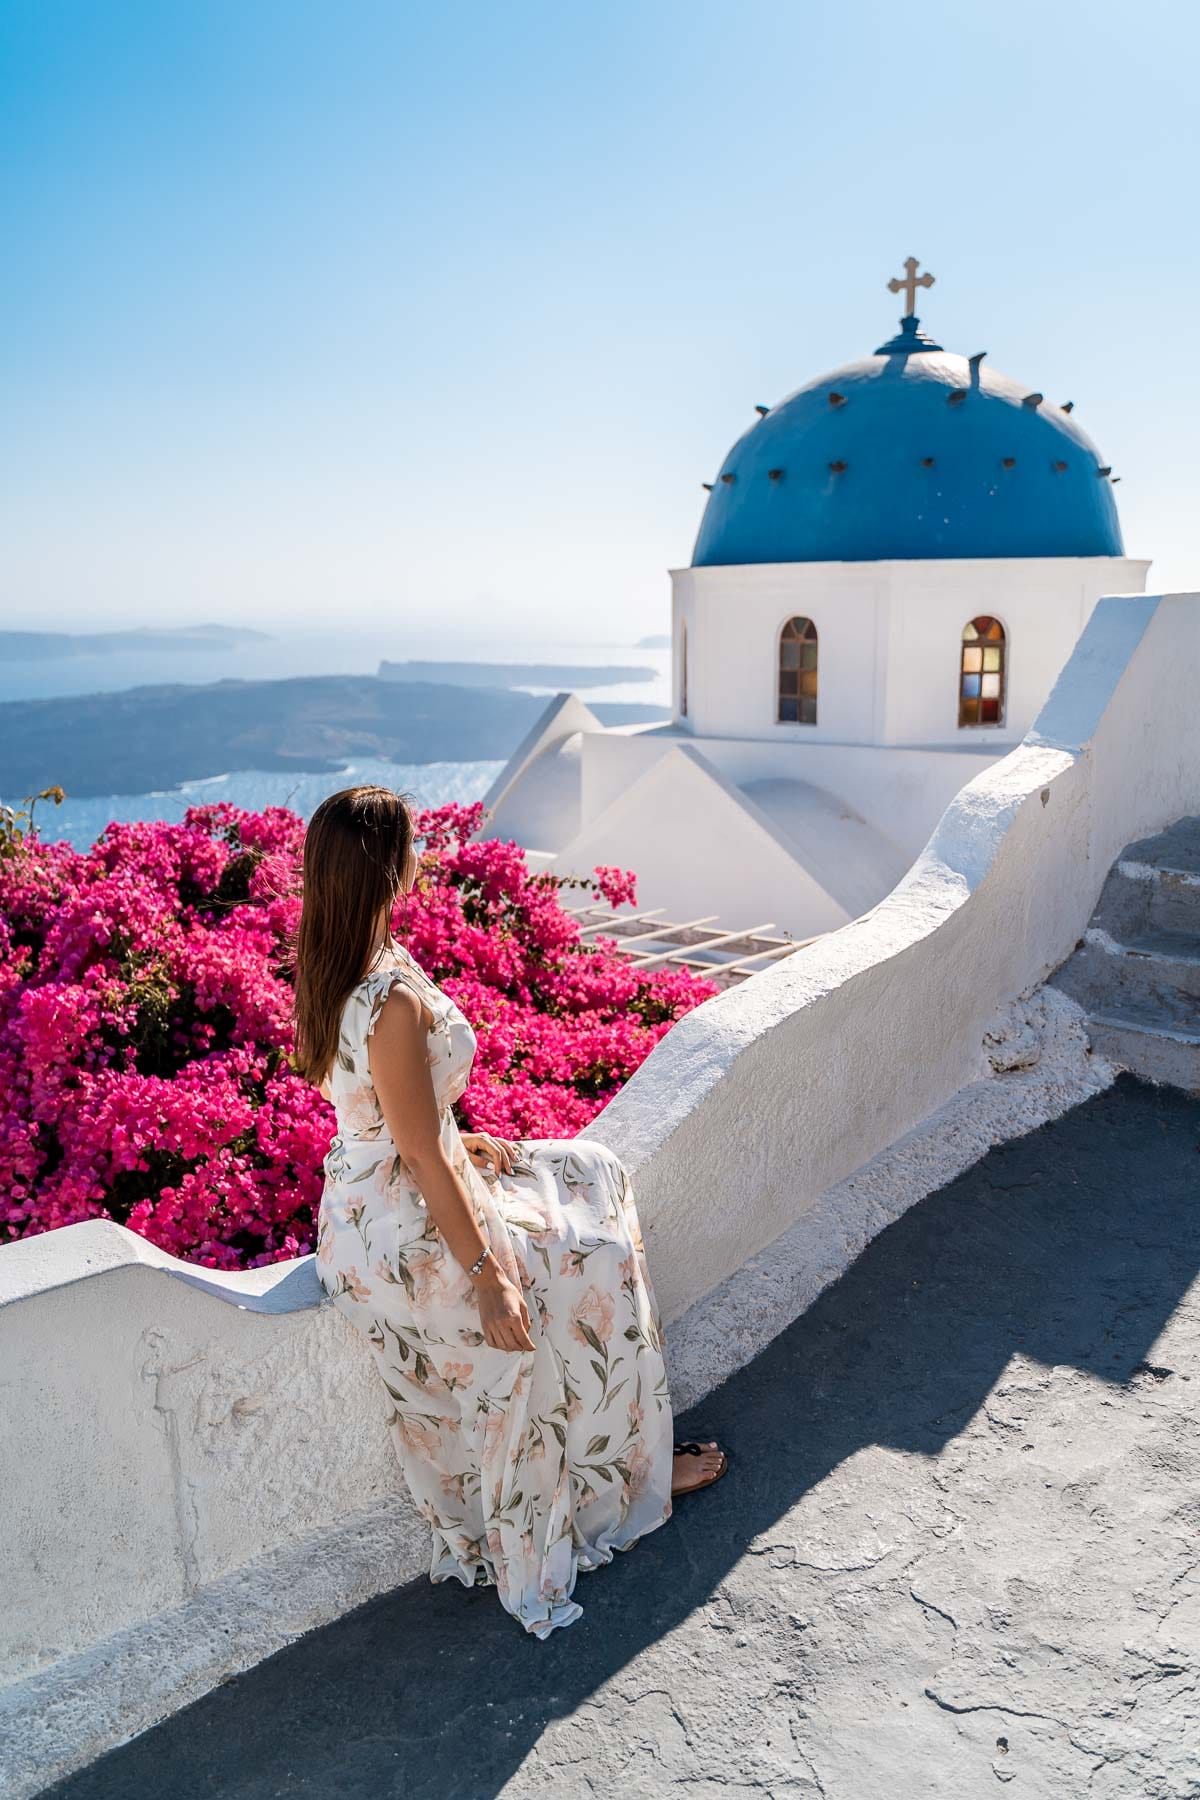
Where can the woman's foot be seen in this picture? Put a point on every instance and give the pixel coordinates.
(690, 1470)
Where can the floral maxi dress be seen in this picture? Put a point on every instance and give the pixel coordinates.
(527, 1465)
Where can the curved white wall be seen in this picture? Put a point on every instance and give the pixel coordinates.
(195, 1465)
(779, 1088)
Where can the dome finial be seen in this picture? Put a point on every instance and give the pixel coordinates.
(908, 287)
(908, 340)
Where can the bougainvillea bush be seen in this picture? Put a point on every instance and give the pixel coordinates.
(145, 1028)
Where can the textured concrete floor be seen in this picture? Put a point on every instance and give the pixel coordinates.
(959, 1547)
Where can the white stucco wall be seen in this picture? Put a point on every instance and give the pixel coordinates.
(806, 836)
(159, 1433)
(195, 1467)
(890, 637)
(701, 848)
(902, 793)
(535, 798)
(779, 1088)
(886, 755)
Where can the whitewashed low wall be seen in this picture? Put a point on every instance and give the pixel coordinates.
(778, 1089)
(195, 1467)
(180, 1461)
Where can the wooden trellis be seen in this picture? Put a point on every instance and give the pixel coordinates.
(650, 941)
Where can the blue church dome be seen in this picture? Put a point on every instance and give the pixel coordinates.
(911, 453)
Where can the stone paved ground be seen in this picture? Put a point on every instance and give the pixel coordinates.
(957, 1552)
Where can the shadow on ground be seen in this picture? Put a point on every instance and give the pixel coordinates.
(1070, 1246)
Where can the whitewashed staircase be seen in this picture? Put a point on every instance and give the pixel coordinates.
(1136, 970)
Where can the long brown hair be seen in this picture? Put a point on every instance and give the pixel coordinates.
(356, 853)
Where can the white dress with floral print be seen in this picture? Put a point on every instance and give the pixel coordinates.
(528, 1465)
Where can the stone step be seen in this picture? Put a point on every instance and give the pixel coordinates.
(1177, 848)
(1175, 900)
(1154, 1054)
(1153, 977)
(1136, 971)
(1142, 896)
(1178, 951)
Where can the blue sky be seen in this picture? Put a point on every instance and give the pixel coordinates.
(440, 316)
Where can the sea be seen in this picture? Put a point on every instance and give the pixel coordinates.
(80, 821)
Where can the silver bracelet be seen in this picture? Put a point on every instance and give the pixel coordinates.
(480, 1260)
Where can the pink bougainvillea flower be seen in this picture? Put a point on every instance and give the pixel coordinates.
(145, 1021)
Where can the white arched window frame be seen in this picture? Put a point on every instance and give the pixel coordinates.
(796, 673)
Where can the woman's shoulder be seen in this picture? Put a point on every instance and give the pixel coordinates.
(395, 965)
(370, 989)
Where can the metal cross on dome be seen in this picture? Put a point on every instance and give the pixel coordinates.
(911, 282)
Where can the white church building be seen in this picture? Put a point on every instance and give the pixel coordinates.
(893, 565)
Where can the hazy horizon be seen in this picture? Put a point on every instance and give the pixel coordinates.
(285, 652)
(276, 627)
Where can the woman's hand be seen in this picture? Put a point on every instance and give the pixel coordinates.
(486, 1150)
(503, 1313)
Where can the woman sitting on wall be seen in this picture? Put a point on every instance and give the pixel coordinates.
(501, 1285)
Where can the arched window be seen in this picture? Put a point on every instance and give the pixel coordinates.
(981, 677)
(797, 698)
(683, 670)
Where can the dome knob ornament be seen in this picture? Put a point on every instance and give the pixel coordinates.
(909, 340)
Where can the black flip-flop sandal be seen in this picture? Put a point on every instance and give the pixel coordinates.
(697, 1449)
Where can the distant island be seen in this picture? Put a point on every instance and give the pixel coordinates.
(151, 738)
(513, 675)
(40, 646)
(659, 640)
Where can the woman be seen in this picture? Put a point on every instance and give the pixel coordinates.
(501, 1286)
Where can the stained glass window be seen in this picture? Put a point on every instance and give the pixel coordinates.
(797, 702)
(981, 677)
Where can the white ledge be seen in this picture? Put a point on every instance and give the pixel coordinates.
(56, 1259)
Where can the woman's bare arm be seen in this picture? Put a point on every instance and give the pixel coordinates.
(398, 1058)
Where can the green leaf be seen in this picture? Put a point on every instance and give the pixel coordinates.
(596, 1446)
